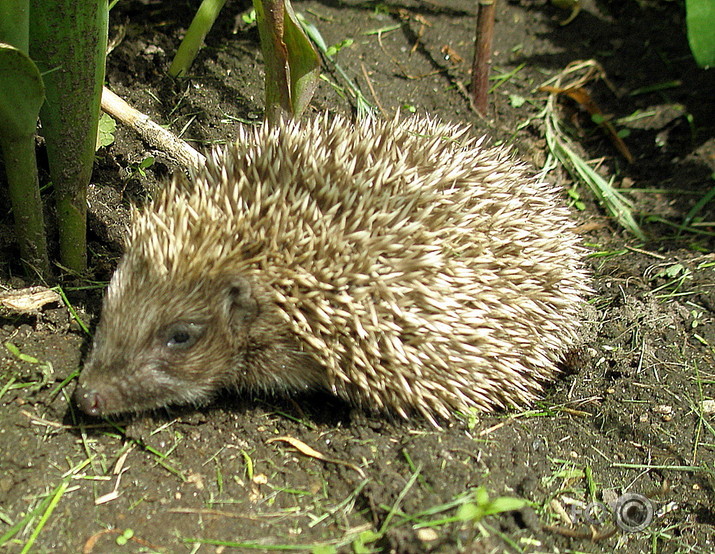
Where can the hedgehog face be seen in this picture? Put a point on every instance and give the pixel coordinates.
(163, 342)
(160, 342)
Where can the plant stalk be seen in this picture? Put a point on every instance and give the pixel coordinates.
(24, 189)
(21, 96)
(15, 23)
(69, 43)
(200, 26)
(291, 63)
(482, 55)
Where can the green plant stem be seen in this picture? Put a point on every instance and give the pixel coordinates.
(21, 96)
(15, 23)
(482, 55)
(291, 63)
(195, 35)
(23, 186)
(269, 18)
(69, 43)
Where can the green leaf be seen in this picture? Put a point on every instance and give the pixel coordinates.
(360, 544)
(368, 536)
(303, 60)
(335, 48)
(146, 162)
(504, 504)
(469, 512)
(481, 496)
(249, 17)
(14, 350)
(700, 19)
(105, 132)
(21, 95)
(671, 272)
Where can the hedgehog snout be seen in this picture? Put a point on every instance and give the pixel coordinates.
(89, 400)
(98, 394)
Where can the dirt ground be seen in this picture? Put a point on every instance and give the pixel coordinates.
(622, 444)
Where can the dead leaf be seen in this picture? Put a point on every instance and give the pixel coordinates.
(308, 451)
(583, 98)
(450, 54)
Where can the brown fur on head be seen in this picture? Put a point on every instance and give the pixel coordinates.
(165, 341)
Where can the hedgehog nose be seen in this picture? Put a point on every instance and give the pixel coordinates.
(88, 400)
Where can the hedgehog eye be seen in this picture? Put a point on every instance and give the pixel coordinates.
(182, 335)
(179, 337)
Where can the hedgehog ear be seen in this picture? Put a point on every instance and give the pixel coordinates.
(239, 301)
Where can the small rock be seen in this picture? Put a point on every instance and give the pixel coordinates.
(427, 535)
(708, 406)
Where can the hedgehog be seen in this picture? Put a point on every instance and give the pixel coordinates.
(402, 265)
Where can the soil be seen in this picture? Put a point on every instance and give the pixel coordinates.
(617, 457)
